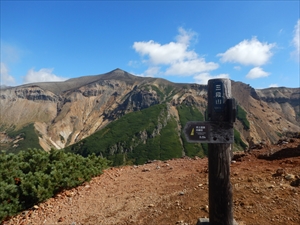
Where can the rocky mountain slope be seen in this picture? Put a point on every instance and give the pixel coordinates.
(59, 114)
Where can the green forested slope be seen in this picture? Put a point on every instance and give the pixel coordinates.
(26, 137)
(135, 138)
(149, 134)
(143, 135)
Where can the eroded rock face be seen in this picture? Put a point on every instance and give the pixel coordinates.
(21, 106)
(67, 112)
(283, 99)
(35, 93)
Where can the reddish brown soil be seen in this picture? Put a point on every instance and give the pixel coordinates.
(176, 192)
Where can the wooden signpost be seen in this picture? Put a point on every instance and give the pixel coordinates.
(217, 131)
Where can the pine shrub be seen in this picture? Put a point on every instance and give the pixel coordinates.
(30, 177)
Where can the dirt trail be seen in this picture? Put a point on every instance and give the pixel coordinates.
(176, 192)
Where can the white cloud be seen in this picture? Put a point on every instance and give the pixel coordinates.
(185, 36)
(164, 54)
(248, 52)
(273, 85)
(187, 68)
(43, 75)
(5, 78)
(296, 41)
(237, 68)
(176, 57)
(257, 72)
(204, 77)
(150, 72)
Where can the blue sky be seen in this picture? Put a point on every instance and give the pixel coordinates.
(255, 42)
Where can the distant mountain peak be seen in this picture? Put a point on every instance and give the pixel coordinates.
(118, 70)
(119, 74)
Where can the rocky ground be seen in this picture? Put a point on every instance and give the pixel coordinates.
(265, 191)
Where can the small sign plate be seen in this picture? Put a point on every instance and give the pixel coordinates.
(197, 131)
(209, 132)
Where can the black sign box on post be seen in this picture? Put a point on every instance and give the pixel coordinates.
(209, 132)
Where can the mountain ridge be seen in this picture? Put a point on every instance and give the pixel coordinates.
(64, 113)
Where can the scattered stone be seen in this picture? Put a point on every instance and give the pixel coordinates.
(60, 220)
(181, 193)
(35, 207)
(25, 212)
(151, 205)
(181, 222)
(289, 177)
(158, 167)
(296, 183)
(282, 141)
(145, 170)
(69, 193)
(205, 208)
(279, 172)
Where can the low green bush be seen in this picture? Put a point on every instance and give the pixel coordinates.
(30, 177)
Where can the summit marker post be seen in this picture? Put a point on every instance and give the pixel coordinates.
(217, 131)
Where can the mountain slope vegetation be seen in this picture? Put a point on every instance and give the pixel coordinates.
(153, 133)
(136, 137)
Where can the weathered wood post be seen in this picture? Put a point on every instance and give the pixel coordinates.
(217, 131)
(220, 109)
